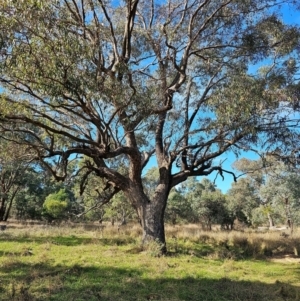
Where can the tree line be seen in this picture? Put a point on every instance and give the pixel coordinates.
(268, 194)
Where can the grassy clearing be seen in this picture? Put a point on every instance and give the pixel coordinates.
(42, 263)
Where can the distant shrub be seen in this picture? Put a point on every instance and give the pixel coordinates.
(56, 205)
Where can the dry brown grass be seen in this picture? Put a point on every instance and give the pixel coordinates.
(247, 243)
(180, 238)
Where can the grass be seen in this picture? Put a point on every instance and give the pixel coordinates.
(52, 263)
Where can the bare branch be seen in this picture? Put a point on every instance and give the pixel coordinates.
(104, 200)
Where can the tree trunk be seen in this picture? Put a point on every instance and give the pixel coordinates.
(289, 220)
(5, 218)
(2, 208)
(152, 220)
(151, 215)
(151, 212)
(123, 218)
(271, 221)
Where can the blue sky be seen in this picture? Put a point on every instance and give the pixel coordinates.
(225, 184)
(290, 16)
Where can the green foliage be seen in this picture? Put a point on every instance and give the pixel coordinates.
(89, 194)
(29, 203)
(270, 191)
(208, 204)
(178, 208)
(210, 208)
(242, 200)
(16, 166)
(150, 180)
(119, 210)
(56, 204)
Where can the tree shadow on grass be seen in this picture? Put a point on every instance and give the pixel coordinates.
(24, 282)
(10, 253)
(70, 240)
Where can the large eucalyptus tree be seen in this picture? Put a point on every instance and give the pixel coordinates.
(120, 81)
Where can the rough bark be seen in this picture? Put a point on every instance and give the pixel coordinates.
(151, 212)
(152, 220)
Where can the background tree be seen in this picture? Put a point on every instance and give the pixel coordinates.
(119, 210)
(92, 202)
(257, 172)
(121, 81)
(178, 208)
(37, 184)
(242, 199)
(88, 198)
(15, 167)
(270, 184)
(192, 191)
(150, 181)
(209, 204)
(29, 203)
(56, 205)
(283, 192)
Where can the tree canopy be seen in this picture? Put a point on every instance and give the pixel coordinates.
(117, 82)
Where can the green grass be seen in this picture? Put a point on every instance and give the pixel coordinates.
(72, 264)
